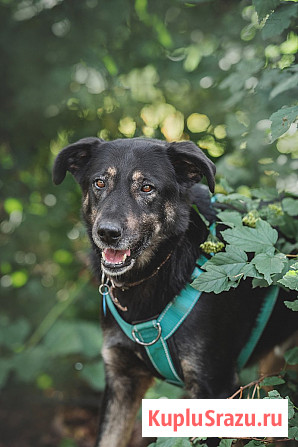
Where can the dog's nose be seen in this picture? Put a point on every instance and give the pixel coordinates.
(109, 233)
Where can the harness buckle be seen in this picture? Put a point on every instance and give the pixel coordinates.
(143, 343)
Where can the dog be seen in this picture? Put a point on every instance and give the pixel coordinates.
(145, 237)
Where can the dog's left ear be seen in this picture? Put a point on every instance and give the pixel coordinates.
(191, 164)
(74, 158)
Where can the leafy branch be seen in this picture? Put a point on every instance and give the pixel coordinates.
(259, 235)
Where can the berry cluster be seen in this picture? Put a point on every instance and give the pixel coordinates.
(250, 219)
(212, 247)
(276, 208)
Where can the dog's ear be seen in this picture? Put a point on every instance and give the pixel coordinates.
(191, 164)
(73, 158)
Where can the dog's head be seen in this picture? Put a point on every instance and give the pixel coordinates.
(135, 194)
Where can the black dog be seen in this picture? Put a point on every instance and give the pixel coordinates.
(146, 237)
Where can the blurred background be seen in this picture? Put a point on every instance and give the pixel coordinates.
(210, 71)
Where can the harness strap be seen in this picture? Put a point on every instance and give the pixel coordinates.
(261, 322)
(153, 334)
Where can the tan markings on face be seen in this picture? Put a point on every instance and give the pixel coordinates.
(86, 202)
(151, 222)
(137, 179)
(112, 171)
(157, 228)
(132, 222)
(93, 215)
(137, 176)
(169, 211)
(149, 219)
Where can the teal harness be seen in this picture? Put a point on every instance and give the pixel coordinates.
(154, 334)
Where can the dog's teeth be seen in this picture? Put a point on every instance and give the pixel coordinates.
(104, 255)
(124, 257)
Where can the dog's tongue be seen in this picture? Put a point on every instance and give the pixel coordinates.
(115, 256)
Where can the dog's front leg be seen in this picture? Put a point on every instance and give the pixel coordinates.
(126, 383)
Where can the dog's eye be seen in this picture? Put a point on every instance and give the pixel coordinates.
(147, 188)
(99, 184)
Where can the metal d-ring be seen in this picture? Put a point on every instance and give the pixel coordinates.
(104, 288)
(143, 343)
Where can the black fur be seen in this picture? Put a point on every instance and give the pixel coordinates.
(154, 225)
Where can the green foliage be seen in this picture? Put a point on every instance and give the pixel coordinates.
(290, 206)
(272, 381)
(266, 263)
(282, 119)
(261, 238)
(171, 442)
(225, 442)
(292, 305)
(290, 279)
(264, 7)
(279, 20)
(291, 356)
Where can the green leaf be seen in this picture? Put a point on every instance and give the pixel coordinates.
(233, 261)
(291, 408)
(230, 218)
(272, 381)
(291, 356)
(265, 193)
(254, 443)
(279, 21)
(259, 282)
(294, 266)
(226, 442)
(73, 337)
(171, 442)
(273, 395)
(221, 270)
(281, 121)
(290, 205)
(293, 433)
(290, 280)
(250, 271)
(268, 265)
(215, 280)
(252, 239)
(289, 226)
(287, 84)
(292, 305)
(264, 7)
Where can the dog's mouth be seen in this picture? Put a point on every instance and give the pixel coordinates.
(113, 257)
(117, 262)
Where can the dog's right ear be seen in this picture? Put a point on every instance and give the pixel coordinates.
(74, 158)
